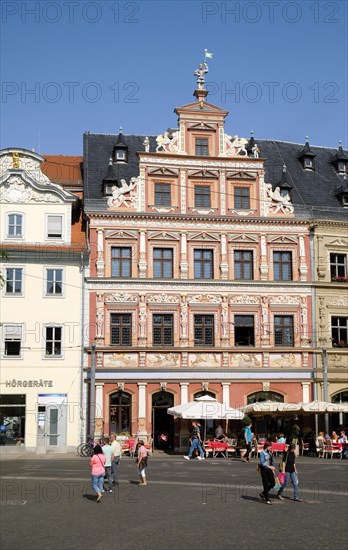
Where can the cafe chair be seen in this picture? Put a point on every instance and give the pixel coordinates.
(320, 448)
(331, 450)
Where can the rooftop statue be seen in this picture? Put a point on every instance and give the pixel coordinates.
(199, 73)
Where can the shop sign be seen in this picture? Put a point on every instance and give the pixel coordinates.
(29, 383)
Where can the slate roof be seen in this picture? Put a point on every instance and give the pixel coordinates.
(313, 192)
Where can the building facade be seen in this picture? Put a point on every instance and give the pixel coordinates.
(42, 311)
(202, 268)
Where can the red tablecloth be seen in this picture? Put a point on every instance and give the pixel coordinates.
(217, 445)
(278, 446)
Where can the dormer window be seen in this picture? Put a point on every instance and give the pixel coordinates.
(306, 157)
(107, 189)
(340, 161)
(120, 149)
(120, 154)
(201, 147)
(110, 180)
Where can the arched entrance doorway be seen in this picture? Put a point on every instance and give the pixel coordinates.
(162, 422)
(120, 412)
(269, 424)
(208, 426)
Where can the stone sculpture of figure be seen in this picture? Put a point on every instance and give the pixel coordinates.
(162, 140)
(142, 321)
(100, 315)
(118, 193)
(146, 144)
(183, 320)
(283, 202)
(256, 151)
(199, 73)
(224, 320)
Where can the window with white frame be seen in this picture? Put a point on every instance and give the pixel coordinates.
(15, 226)
(14, 280)
(338, 265)
(53, 341)
(54, 282)
(54, 227)
(12, 340)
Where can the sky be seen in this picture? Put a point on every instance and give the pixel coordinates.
(67, 67)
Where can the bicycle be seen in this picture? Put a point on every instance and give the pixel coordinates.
(86, 449)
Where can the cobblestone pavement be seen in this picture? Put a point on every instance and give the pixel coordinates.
(47, 503)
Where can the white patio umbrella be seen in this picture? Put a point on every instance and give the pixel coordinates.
(322, 407)
(269, 407)
(205, 408)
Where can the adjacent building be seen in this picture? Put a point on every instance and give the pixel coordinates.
(42, 313)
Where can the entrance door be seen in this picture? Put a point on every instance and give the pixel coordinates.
(52, 422)
(162, 422)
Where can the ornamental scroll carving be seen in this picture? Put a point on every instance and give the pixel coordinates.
(16, 191)
(121, 297)
(284, 300)
(168, 142)
(277, 202)
(163, 299)
(244, 299)
(29, 165)
(339, 302)
(235, 146)
(204, 299)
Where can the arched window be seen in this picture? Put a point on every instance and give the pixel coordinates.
(341, 397)
(265, 396)
(201, 393)
(120, 412)
(163, 399)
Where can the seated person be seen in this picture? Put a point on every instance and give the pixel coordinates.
(343, 438)
(219, 434)
(334, 436)
(281, 438)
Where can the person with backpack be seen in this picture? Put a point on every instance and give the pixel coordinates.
(290, 471)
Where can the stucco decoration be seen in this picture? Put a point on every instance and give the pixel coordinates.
(245, 299)
(163, 360)
(119, 360)
(204, 360)
(246, 360)
(121, 297)
(284, 300)
(163, 299)
(340, 301)
(15, 190)
(277, 202)
(168, 142)
(235, 146)
(29, 165)
(204, 299)
(202, 163)
(119, 197)
(285, 360)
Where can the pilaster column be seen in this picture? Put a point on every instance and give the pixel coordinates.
(305, 391)
(303, 265)
(142, 408)
(183, 190)
(99, 411)
(224, 264)
(183, 321)
(264, 262)
(224, 322)
(100, 253)
(226, 394)
(142, 259)
(183, 259)
(184, 392)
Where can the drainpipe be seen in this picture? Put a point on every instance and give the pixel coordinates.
(92, 391)
(82, 353)
(326, 388)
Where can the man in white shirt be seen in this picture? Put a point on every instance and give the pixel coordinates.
(108, 452)
(116, 457)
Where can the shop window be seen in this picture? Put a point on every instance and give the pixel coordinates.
(12, 418)
(120, 412)
(265, 396)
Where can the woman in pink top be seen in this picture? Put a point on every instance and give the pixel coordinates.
(98, 471)
(142, 462)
